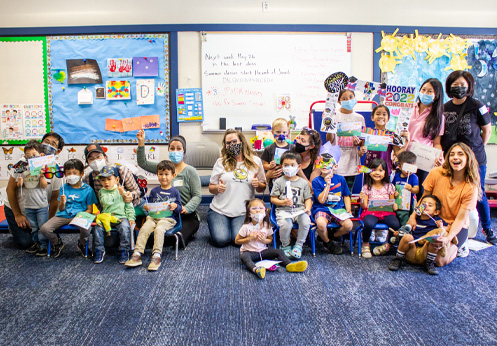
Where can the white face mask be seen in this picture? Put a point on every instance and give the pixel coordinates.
(258, 217)
(73, 179)
(97, 165)
(290, 171)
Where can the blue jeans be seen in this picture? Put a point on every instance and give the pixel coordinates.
(482, 206)
(223, 229)
(124, 230)
(37, 218)
(22, 236)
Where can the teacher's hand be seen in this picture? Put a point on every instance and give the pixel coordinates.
(441, 242)
(221, 187)
(22, 221)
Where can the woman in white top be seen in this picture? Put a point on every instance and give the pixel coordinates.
(235, 178)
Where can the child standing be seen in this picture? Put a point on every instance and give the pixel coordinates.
(35, 199)
(161, 221)
(330, 191)
(254, 236)
(416, 253)
(406, 186)
(376, 187)
(74, 197)
(272, 154)
(111, 200)
(292, 197)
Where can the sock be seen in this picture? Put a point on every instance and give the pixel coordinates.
(156, 255)
(136, 253)
(400, 254)
(430, 257)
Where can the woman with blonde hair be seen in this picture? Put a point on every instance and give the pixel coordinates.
(236, 175)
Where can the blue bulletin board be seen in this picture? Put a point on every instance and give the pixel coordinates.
(85, 123)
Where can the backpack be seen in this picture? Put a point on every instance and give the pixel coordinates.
(140, 182)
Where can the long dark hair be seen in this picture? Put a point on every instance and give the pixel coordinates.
(248, 219)
(314, 139)
(434, 119)
(375, 163)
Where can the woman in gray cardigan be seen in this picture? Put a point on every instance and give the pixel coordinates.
(186, 181)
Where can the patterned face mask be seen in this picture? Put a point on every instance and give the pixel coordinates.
(234, 150)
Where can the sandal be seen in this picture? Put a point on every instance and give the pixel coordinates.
(366, 253)
(381, 250)
(296, 252)
(287, 250)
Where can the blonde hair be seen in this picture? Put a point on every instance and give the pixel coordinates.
(229, 162)
(279, 122)
(471, 171)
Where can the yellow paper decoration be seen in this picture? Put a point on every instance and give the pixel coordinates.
(420, 42)
(406, 46)
(458, 62)
(436, 49)
(389, 43)
(388, 62)
(456, 45)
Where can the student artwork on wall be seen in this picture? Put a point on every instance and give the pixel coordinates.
(59, 75)
(83, 71)
(119, 67)
(145, 91)
(118, 90)
(145, 66)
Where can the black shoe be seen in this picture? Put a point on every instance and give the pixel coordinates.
(396, 263)
(430, 268)
(42, 252)
(82, 250)
(56, 249)
(335, 249)
(34, 248)
(491, 236)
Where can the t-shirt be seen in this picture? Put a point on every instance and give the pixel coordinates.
(112, 203)
(385, 155)
(300, 192)
(375, 194)
(469, 127)
(254, 245)
(269, 154)
(417, 124)
(338, 190)
(400, 182)
(76, 199)
(453, 198)
(170, 195)
(35, 197)
(425, 226)
(349, 160)
(239, 188)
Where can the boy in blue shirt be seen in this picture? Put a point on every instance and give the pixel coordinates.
(331, 191)
(406, 187)
(74, 197)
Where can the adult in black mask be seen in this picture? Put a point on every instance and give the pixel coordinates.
(467, 120)
(307, 144)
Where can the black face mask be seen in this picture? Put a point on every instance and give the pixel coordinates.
(458, 92)
(299, 148)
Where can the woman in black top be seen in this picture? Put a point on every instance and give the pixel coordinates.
(307, 144)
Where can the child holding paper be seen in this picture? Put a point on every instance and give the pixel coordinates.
(158, 220)
(254, 236)
(331, 194)
(74, 197)
(292, 195)
(111, 200)
(406, 185)
(376, 187)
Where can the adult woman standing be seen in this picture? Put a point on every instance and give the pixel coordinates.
(467, 120)
(186, 181)
(235, 176)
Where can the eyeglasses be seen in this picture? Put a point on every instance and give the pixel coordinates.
(257, 208)
(52, 143)
(50, 175)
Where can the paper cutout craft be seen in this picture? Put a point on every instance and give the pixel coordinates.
(150, 122)
(59, 75)
(83, 71)
(364, 169)
(329, 125)
(119, 67)
(35, 164)
(349, 129)
(145, 94)
(132, 124)
(20, 167)
(114, 125)
(118, 90)
(99, 92)
(85, 97)
(145, 66)
(420, 209)
(410, 169)
(336, 82)
(284, 102)
(161, 89)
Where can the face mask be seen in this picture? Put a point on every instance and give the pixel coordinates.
(426, 99)
(73, 179)
(290, 171)
(458, 92)
(349, 105)
(48, 149)
(299, 148)
(234, 150)
(258, 217)
(97, 165)
(280, 138)
(176, 156)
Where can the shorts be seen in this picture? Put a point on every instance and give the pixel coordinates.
(329, 218)
(419, 256)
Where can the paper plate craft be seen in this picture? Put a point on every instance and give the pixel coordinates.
(145, 66)
(83, 71)
(118, 90)
(336, 82)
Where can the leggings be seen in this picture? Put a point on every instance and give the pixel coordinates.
(370, 221)
(248, 257)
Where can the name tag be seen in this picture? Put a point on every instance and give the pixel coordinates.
(178, 182)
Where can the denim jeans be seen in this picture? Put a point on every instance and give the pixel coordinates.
(37, 218)
(124, 230)
(223, 229)
(482, 206)
(22, 236)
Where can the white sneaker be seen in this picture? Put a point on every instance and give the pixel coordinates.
(382, 235)
(463, 251)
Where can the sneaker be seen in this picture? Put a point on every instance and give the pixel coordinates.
(42, 252)
(430, 268)
(287, 250)
(463, 251)
(261, 272)
(99, 256)
(382, 235)
(366, 252)
(297, 267)
(155, 263)
(134, 261)
(396, 263)
(56, 249)
(491, 236)
(82, 250)
(334, 248)
(123, 256)
(34, 248)
(296, 252)
(381, 250)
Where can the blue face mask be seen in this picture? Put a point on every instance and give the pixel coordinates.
(176, 156)
(426, 99)
(349, 105)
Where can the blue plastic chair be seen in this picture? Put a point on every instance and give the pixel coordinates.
(333, 225)
(175, 232)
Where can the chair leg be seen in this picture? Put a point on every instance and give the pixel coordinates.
(274, 238)
(49, 248)
(182, 240)
(351, 243)
(176, 247)
(86, 248)
(313, 241)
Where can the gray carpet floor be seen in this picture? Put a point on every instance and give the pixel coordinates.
(207, 297)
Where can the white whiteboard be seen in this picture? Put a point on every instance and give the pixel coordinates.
(244, 73)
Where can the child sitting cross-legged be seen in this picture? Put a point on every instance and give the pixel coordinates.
(158, 222)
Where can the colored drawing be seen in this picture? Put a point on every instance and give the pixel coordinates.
(150, 122)
(118, 90)
(83, 71)
(145, 66)
(132, 124)
(59, 75)
(35, 164)
(119, 67)
(99, 92)
(114, 125)
(145, 92)
(284, 102)
(377, 143)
